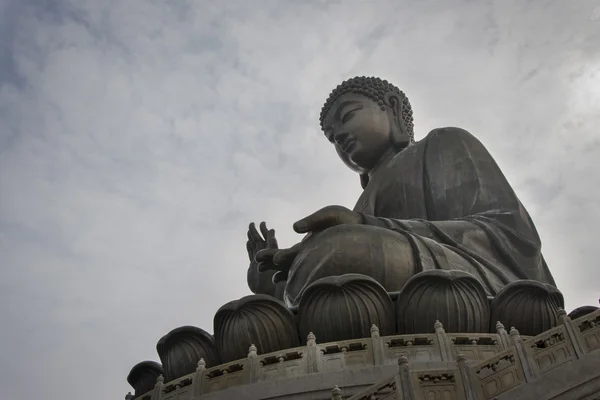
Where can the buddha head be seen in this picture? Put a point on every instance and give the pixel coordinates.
(365, 118)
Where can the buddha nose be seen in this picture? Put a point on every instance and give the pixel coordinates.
(340, 137)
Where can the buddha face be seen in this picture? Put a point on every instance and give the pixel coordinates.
(359, 129)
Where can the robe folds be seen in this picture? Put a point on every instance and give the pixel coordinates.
(445, 198)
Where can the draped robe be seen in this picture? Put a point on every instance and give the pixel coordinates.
(446, 199)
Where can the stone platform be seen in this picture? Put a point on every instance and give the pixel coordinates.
(561, 363)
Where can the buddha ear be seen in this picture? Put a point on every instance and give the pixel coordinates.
(400, 136)
(364, 180)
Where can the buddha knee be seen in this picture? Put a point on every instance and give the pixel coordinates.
(349, 245)
(381, 254)
(343, 236)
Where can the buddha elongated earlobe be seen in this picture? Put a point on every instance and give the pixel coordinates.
(364, 180)
(399, 134)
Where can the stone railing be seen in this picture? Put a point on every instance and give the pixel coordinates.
(588, 327)
(530, 358)
(524, 361)
(480, 366)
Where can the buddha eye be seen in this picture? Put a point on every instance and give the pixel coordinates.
(349, 114)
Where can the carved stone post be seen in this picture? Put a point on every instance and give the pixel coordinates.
(199, 378)
(504, 338)
(527, 362)
(377, 345)
(253, 365)
(158, 388)
(336, 393)
(465, 374)
(443, 342)
(312, 354)
(405, 389)
(572, 333)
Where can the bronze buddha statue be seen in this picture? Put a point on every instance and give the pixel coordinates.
(438, 236)
(441, 203)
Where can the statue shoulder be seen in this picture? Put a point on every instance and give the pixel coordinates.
(449, 133)
(453, 138)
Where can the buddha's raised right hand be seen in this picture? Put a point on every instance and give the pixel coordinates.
(257, 242)
(279, 260)
(264, 240)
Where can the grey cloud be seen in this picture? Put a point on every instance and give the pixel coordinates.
(138, 140)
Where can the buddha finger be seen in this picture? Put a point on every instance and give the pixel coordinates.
(318, 221)
(285, 257)
(280, 276)
(251, 248)
(271, 240)
(253, 234)
(265, 267)
(265, 255)
(264, 230)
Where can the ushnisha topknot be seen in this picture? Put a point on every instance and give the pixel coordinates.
(375, 89)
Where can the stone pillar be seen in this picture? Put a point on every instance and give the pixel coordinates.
(199, 378)
(336, 393)
(527, 362)
(504, 338)
(466, 378)
(158, 388)
(377, 346)
(312, 355)
(405, 389)
(444, 346)
(253, 364)
(572, 333)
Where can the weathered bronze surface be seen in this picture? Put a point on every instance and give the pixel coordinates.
(182, 348)
(529, 305)
(581, 311)
(452, 296)
(257, 320)
(438, 237)
(345, 307)
(143, 375)
(439, 203)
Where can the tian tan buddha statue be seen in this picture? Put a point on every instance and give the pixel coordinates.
(437, 234)
(441, 203)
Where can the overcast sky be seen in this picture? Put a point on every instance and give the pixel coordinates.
(139, 138)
